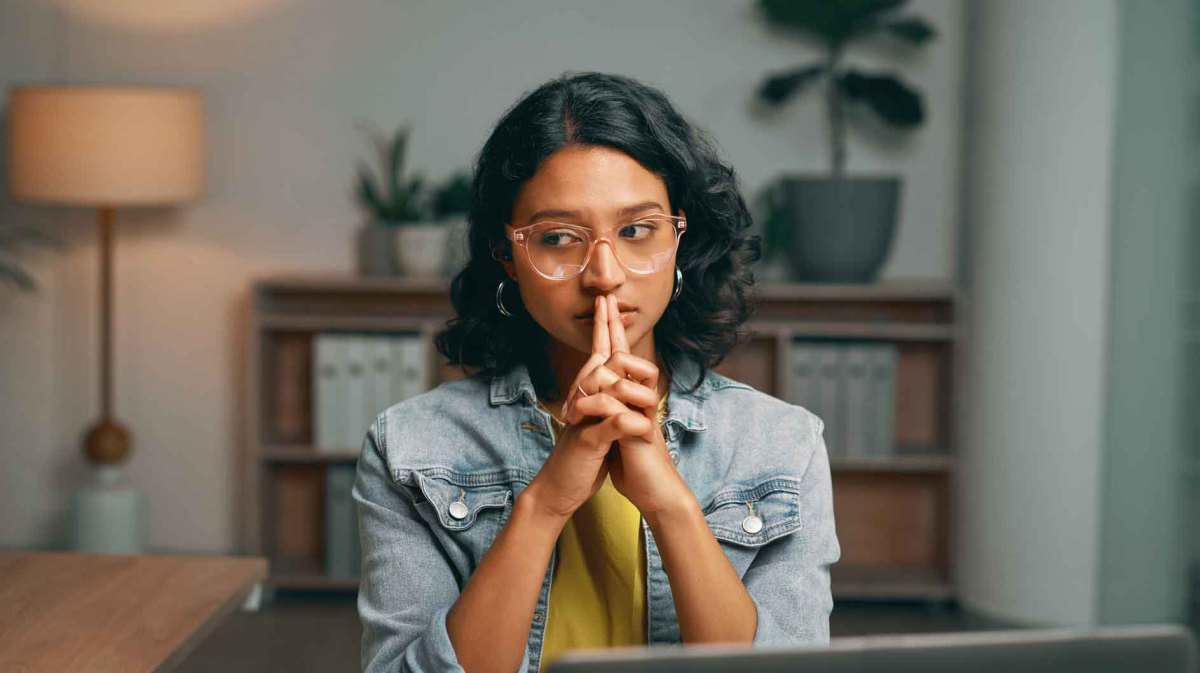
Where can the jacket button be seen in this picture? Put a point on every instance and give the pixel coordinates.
(752, 524)
(458, 509)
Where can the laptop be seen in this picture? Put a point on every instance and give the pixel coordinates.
(1123, 649)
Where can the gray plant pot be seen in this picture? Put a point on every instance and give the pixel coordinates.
(376, 249)
(841, 229)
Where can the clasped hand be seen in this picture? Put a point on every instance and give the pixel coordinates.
(622, 394)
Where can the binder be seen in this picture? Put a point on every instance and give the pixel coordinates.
(828, 395)
(882, 376)
(342, 553)
(858, 403)
(379, 379)
(354, 404)
(329, 381)
(409, 367)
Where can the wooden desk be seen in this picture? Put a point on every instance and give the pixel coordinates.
(64, 611)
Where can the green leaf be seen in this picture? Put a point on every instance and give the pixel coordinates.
(894, 101)
(910, 28)
(834, 21)
(15, 275)
(781, 86)
(367, 191)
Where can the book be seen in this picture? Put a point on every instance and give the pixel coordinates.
(342, 555)
(857, 397)
(379, 379)
(410, 367)
(355, 401)
(329, 386)
(828, 395)
(802, 377)
(882, 377)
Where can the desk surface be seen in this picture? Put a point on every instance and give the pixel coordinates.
(65, 611)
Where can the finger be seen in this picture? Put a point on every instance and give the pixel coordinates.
(619, 342)
(628, 392)
(594, 361)
(615, 428)
(598, 404)
(600, 331)
(630, 366)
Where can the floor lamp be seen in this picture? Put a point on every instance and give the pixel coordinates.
(106, 147)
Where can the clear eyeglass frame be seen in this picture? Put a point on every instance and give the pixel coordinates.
(519, 237)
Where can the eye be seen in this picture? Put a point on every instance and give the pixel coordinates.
(559, 238)
(639, 230)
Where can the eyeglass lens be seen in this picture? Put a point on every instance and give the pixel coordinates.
(560, 251)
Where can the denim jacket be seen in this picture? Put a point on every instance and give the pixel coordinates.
(439, 472)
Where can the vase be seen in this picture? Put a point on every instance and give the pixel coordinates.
(840, 229)
(421, 249)
(376, 249)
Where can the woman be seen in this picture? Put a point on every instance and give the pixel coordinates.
(593, 482)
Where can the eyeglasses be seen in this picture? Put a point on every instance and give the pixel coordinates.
(560, 251)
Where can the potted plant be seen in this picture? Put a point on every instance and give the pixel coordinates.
(451, 202)
(13, 237)
(842, 227)
(400, 235)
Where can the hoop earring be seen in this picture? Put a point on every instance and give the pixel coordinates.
(500, 301)
(678, 284)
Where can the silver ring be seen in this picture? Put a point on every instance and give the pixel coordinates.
(580, 387)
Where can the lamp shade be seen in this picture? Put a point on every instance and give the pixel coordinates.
(105, 146)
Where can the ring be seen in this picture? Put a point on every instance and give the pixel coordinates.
(580, 387)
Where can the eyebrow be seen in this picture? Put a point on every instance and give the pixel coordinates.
(628, 210)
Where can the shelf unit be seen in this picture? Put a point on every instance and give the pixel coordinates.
(894, 515)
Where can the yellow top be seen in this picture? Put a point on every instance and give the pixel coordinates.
(598, 594)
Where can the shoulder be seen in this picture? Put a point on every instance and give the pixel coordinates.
(754, 422)
(442, 426)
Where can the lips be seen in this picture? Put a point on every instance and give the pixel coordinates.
(624, 308)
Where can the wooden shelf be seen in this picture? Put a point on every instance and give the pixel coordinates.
(893, 511)
(306, 454)
(869, 583)
(894, 464)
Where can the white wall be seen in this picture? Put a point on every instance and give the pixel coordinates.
(1154, 205)
(285, 81)
(1042, 82)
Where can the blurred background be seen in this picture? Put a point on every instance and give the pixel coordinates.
(983, 272)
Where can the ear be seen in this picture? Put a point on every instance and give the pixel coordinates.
(501, 255)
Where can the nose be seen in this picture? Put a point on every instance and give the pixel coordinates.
(603, 270)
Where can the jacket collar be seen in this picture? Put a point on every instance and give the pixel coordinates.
(685, 411)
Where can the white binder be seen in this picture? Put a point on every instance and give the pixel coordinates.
(354, 403)
(858, 422)
(329, 384)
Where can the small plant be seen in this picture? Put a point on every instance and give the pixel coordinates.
(453, 197)
(12, 237)
(391, 198)
(837, 24)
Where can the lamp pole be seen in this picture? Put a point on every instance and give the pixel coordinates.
(108, 441)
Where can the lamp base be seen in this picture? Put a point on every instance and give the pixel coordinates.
(107, 516)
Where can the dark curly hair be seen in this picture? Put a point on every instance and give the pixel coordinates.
(715, 254)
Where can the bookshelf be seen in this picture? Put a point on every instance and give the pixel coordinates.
(894, 512)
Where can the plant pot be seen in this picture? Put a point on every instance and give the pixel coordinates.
(841, 229)
(421, 249)
(376, 249)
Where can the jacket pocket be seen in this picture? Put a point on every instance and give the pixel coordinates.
(465, 511)
(744, 518)
(457, 499)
